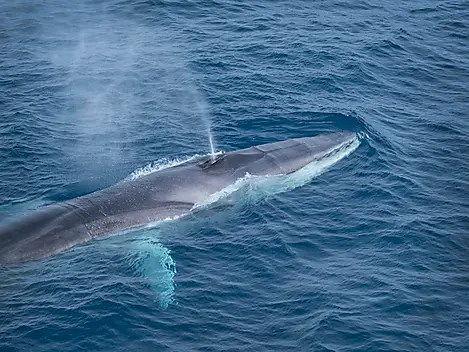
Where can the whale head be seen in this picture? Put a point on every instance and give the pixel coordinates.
(278, 158)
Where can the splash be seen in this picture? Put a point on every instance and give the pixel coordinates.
(165, 163)
(158, 165)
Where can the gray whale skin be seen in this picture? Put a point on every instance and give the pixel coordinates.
(157, 196)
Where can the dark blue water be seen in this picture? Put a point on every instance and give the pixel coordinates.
(372, 255)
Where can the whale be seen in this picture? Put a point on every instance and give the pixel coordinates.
(165, 194)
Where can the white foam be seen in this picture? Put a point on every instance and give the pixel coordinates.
(225, 192)
(163, 163)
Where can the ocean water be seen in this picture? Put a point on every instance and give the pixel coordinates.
(371, 254)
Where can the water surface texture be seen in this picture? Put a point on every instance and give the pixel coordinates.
(371, 255)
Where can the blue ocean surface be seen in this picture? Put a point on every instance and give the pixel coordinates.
(371, 254)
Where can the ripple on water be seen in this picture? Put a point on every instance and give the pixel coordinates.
(370, 255)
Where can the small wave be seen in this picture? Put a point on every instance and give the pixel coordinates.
(164, 163)
(225, 192)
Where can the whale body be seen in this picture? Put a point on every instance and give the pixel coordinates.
(160, 195)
